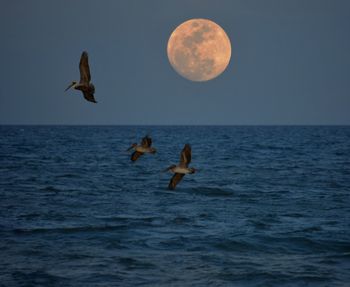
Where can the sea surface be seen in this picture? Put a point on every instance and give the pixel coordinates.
(268, 206)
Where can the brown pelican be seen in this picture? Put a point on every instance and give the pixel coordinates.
(144, 147)
(84, 85)
(181, 169)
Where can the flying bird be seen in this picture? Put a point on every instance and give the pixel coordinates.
(84, 85)
(144, 147)
(182, 168)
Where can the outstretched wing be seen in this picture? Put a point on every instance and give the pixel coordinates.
(185, 157)
(146, 141)
(175, 180)
(85, 76)
(89, 97)
(135, 155)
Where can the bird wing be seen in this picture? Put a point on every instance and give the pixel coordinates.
(89, 97)
(85, 76)
(135, 155)
(185, 157)
(175, 180)
(146, 141)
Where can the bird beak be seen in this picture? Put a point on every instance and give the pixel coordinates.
(71, 85)
(167, 169)
(132, 146)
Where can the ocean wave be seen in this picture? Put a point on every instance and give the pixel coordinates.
(129, 218)
(237, 245)
(51, 188)
(69, 229)
(213, 191)
(36, 278)
(304, 244)
(182, 220)
(249, 217)
(132, 263)
(68, 175)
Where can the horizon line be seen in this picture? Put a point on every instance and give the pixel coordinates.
(188, 125)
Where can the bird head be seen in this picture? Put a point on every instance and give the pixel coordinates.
(169, 168)
(132, 146)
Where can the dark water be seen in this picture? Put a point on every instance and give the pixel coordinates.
(269, 206)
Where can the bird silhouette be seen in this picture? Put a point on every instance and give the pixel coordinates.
(144, 147)
(84, 85)
(182, 168)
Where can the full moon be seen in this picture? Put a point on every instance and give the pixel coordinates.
(199, 50)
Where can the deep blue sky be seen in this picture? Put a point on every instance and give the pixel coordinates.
(290, 62)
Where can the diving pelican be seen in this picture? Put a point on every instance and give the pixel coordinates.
(182, 168)
(84, 85)
(144, 147)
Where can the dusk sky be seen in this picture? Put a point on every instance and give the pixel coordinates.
(290, 63)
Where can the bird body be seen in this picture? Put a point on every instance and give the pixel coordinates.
(85, 88)
(144, 147)
(84, 85)
(182, 168)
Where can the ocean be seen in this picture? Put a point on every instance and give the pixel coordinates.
(268, 206)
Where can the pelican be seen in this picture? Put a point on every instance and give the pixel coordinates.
(84, 85)
(144, 147)
(182, 168)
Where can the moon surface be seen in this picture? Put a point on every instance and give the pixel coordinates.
(199, 50)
